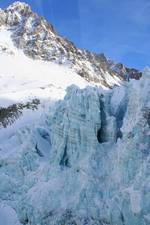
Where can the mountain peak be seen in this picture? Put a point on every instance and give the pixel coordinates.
(19, 10)
(18, 6)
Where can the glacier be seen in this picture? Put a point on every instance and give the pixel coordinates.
(86, 162)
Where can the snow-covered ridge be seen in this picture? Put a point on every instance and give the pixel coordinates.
(25, 74)
(38, 39)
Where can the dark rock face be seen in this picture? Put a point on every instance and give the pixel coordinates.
(38, 39)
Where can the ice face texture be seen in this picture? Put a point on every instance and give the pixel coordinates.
(86, 163)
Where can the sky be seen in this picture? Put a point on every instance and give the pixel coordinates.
(118, 28)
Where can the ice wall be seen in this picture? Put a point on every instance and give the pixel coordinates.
(87, 163)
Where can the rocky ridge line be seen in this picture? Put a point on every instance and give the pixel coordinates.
(39, 40)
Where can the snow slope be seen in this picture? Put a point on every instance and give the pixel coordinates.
(22, 78)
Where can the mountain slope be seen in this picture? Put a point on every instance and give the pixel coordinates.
(23, 80)
(38, 39)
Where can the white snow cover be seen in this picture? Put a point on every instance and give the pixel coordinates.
(22, 78)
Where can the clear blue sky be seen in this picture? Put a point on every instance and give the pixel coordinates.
(119, 28)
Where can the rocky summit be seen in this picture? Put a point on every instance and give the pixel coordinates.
(74, 130)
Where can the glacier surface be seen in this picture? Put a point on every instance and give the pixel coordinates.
(86, 161)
